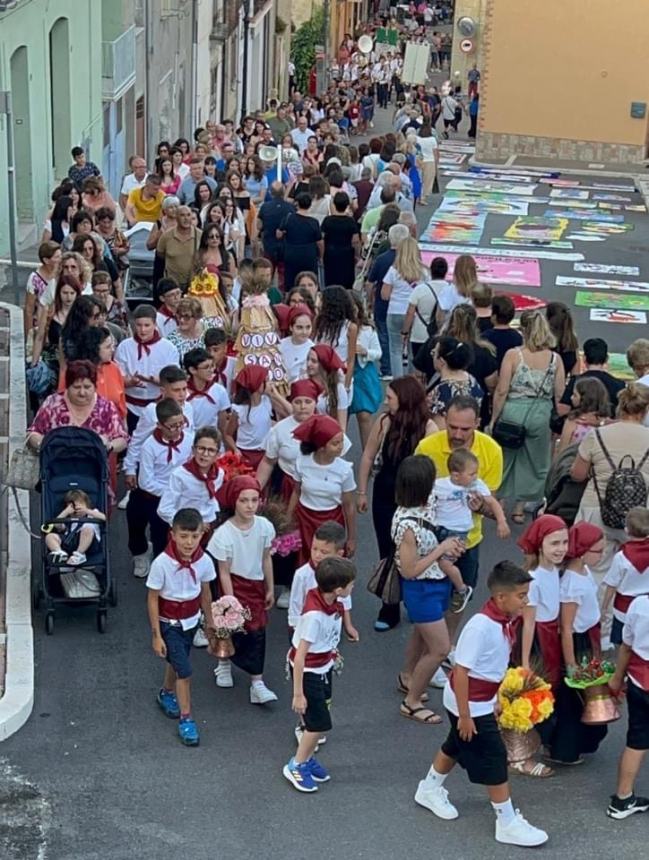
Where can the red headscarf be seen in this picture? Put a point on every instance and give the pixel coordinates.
(318, 430)
(252, 378)
(305, 388)
(582, 537)
(534, 535)
(328, 357)
(299, 311)
(231, 490)
(282, 314)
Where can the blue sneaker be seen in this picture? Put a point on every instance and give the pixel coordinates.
(188, 732)
(168, 704)
(299, 775)
(318, 772)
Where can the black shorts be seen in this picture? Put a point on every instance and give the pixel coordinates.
(616, 631)
(484, 757)
(317, 691)
(637, 735)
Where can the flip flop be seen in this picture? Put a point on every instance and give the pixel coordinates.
(401, 687)
(419, 715)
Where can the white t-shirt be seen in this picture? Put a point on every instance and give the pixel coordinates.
(428, 146)
(177, 583)
(626, 580)
(322, 403)
(145, 427)
(581, 588)
(186, 491)
(243, 549)
(635, 632)
(451, 503)
(303, 581)
(206, 412)
(544, 593)
(322, 631)
(156, 467)
(282, 446)
(130, 183)
(301, 138)
(161, 354)
(255, 423)
(322, 487)
(449, 298)
(483, 649)
(448, 107)
(424, 299)
(294, 357)
(401, 291)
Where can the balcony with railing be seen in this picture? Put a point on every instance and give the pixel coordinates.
(118, 65)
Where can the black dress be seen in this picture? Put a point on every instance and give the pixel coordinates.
(339, 231)
(300, 249)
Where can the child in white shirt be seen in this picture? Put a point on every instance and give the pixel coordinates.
(69, 542)
(628, 575)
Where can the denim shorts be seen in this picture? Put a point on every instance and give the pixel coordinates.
(179, 646)
(426, 600)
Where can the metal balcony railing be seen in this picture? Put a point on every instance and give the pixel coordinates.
(118, 65)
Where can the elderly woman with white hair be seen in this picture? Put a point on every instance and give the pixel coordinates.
(168, 220)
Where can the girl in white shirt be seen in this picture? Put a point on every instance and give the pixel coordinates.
(335, 325)
(580, 639)
(295, 349)
(325, 367)
(242, 548)
(254, 404)
(367, 392)
(325, 482)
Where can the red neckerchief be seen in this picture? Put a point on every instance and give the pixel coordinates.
(170, 549)
(637, 552)
(508, 623)
(208, 480)
(315, 602)
(219, 373)
(167, 443)
(145, 346)
(164, 311)
(197, 392)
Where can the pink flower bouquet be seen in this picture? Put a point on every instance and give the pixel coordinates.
(228, 616)
(285, 544)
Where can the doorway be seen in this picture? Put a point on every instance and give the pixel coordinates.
(60, 97)
(19, 70)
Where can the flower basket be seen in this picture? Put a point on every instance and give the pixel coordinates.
(520, 746)
(228, 617)
(525, 700)
(591, 677)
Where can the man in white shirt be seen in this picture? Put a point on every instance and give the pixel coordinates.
(133, 180)
(301, 134)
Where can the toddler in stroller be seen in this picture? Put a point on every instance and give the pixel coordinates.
(69, 542)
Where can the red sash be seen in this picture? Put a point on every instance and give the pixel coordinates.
(251, 593)
(480, 690)
(140, 401)
(308, 521)
(315, 602)
(549, 642)
(176, 610)
(621, 602)
(638, 669)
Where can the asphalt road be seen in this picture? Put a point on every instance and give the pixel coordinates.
(98, 772)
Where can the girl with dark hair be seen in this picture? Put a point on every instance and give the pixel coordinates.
(254, 404)
(302, 295)
(325, 367)
(85, 312)
(591, 408)
(451, 358)
(563, 328)
(57, 226)
(48, 336)
(368, 394)
(335, 325)
(341, 243)
(211, 253)
(393, 437)
(303, 245)
(167, 173)
(254, 180)
(96, 345)
(203, 196)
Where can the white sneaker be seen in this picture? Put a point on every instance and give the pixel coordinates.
(436, 799)
(520, 832)
(223, 674)
(123, 502)
(141, 566)
(260, 694)
(283, 600)
(200, 639)
(439, 679)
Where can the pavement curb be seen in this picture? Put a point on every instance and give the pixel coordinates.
(17, 702)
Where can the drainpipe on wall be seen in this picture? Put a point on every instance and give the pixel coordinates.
(249, 11)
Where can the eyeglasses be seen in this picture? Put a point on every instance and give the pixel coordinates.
(201, 449)
(184, 316)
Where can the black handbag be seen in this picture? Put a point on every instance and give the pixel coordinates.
(384, 582)
(511, 434)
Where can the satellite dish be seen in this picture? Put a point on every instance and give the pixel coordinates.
(467, 27)
(268, 153)
(365, 44)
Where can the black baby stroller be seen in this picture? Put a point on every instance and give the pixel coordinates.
(72, 458)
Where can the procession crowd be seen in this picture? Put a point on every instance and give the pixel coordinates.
(283, 304)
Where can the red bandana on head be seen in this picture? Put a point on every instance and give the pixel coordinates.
(209, 479)
(145, 346)
(532, 538)
(172, 551)
(510, 625)
(167, 443)
(317, 430)
(232, 489)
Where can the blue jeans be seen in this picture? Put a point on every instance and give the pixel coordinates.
(380, 313)
(395, 327)
(467, 564)
(179, 646)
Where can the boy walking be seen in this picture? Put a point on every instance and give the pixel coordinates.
(311, 657)
(474, 740)
(178, 584)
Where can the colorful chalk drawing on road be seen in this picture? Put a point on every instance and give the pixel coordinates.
(494, 186)
(572, 193)
(585, 237)
(537, 254)
(539, 229)
(617, 365)
(617, 316)
(452, 158)
(635, 207)
(579, 215)
(605, 229)
(615, 198)
(449, 227)
(530, 243)
(607, 269)
(560, 183)
(496, 270)
(599, 284)
(523, 302)
(574, 204)
(611, 301)
(474, 205)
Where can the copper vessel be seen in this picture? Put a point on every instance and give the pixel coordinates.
(223, 649)
(520, 746)
(599, 706)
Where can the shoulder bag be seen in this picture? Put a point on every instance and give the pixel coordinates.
(385, 582)
(511, 434)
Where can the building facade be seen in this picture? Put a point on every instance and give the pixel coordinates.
(563, 83)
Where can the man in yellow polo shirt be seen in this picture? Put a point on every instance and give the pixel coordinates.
(145, 203)
(462, 420)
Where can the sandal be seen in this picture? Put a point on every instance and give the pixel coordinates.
(401, 687)
(419, 715)
(537, 770)
(518, 517)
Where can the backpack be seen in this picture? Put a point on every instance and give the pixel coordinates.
(625, 489)
(562, 493)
